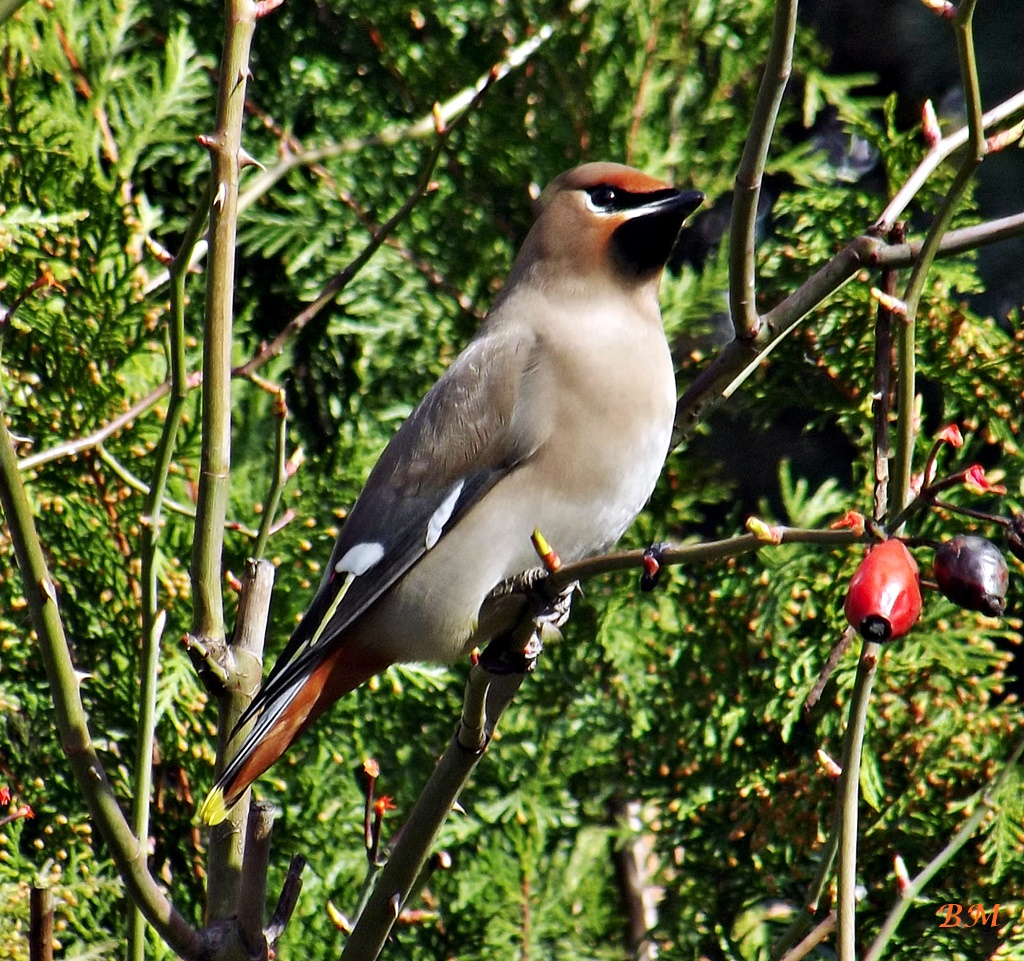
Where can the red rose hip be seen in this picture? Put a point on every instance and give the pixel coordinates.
(884, 598)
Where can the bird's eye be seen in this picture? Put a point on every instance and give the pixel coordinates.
(602, 197)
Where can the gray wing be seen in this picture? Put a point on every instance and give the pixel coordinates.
(478, 422)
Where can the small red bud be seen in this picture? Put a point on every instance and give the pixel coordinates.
(950, 434)
(971, 572)
(884, 598)
(978, 482)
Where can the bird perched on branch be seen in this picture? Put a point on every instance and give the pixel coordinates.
(556, 417)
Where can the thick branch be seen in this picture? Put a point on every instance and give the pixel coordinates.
(225, 152)
(243, 668)
(127, 852)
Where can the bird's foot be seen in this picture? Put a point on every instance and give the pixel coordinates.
(516, 651)
(654, 558)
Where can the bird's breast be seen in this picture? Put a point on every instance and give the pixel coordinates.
(610, 400)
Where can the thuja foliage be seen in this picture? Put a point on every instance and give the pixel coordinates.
(684, 707)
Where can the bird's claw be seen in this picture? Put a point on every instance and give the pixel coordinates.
(516, 651)
(653, 559)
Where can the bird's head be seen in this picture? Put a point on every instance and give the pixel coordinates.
(608, 219)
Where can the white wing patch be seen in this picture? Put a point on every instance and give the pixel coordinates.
(359, 558)
(440, 517)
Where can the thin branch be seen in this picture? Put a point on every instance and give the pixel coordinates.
(905, 341)
(938, 153)
(849, 800)
(447, 113)
(152, 622)
(953, 242)
(488, 693)
(671, 554)
(280, 478)
(137, 484)
(79, 444)
(913, 890)
(747, 192)
(127, 852)
(341, 280)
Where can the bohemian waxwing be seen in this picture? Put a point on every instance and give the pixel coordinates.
(556, 417)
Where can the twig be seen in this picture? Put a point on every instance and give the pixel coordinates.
(909, 894)
(751, 170)
(286, 902)
(831, 663)
(849, 798)
(252, 891)
(881, 399)
(937, 154)
(821, 931)
(801, 925)
(448, 113)
(40, 933)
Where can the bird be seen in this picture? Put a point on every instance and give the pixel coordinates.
(556, 417)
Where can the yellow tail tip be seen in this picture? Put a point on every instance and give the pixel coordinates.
(214, 810)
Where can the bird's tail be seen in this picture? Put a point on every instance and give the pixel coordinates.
(281, 720)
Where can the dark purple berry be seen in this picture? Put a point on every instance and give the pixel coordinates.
(971, 572)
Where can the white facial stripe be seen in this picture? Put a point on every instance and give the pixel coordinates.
(440, 517)
(359, 558)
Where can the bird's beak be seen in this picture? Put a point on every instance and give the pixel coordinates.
(647, 232)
